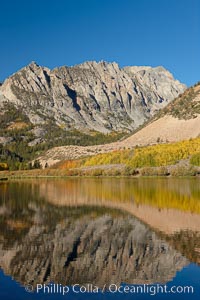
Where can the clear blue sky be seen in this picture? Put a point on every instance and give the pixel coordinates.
(130, 32)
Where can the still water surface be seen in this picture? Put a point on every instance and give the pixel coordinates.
(99, 234)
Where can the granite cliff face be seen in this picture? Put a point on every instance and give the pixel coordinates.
(91, 96)
(178, 121)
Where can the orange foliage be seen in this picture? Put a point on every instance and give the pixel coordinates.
(69, 164)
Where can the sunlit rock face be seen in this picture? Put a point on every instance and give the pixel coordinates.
(91, 96)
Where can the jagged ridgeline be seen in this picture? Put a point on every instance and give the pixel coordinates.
(91, 103)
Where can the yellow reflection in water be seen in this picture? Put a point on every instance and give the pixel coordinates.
(182, 194)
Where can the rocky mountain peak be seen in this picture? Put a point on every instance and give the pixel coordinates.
(33, 65)
(97, 96)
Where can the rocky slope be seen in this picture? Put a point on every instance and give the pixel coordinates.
(179, 120)
(91, 96)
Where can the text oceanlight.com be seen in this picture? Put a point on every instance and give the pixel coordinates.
(110, 288)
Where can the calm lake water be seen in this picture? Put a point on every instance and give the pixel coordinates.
(104, 238)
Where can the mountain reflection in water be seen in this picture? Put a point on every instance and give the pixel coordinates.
(79, 231)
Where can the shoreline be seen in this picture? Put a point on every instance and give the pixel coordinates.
(17, 175)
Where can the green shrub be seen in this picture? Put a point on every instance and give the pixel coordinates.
(97, 172)
(184, 171)
(195, 159)
(3, 166)
(160, 171)
(129, 171)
